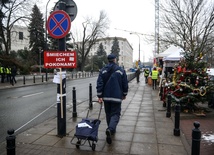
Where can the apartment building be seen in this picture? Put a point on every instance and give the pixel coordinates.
(126, 50)
(19, 38)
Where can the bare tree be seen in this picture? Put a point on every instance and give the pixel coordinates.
(13, 12)
(188, 24)
(92, 30)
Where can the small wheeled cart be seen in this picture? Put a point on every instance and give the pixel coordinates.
(87, 130)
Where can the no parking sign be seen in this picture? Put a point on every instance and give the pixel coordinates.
(59, 24)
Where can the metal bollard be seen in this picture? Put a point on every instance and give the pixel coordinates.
(169, 101)
(46, 75)
(90, 96)
(34, 80)
(74, 103)
(177, 120)
(72, 76)
(11, 142)
(42, 78)
(24, 80)
(196, 138)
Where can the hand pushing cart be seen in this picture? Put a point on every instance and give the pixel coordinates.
(87, 130)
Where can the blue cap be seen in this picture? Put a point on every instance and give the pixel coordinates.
(111, 56)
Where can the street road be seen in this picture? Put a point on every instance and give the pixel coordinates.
(24, 107)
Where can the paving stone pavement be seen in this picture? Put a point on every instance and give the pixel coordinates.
(143, 129)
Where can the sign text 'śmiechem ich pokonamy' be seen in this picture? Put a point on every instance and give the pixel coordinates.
(60, 59)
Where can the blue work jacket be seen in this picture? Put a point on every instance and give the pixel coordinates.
(112, 83)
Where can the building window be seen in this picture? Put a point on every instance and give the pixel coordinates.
(20, 35)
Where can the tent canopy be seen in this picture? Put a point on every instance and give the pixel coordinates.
(175, 55)
(167, 52)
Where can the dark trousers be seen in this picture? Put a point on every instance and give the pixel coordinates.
(13, 80)
(112, 111)
(2, 78)
(146, 79)
(154, 83)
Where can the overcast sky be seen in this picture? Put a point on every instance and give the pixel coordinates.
(124, 15)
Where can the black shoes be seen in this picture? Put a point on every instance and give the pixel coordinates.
(108, 136)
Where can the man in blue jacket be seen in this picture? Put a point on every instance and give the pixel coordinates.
(112, 88)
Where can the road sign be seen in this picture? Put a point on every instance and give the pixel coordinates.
(71, 8)
(59, 24)
(60, 59)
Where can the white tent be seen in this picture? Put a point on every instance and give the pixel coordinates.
(167, 52)
(175, 55)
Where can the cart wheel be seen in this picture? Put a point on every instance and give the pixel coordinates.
(78, 144)
(93, 147)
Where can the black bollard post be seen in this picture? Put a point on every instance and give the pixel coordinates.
(90, 96)
(46, 75)
(24, 80)
(169, 101)
(34, 79)
(11, 142)
(196, 138)
(177, 120)
(74, 103)
(42, 78)
(72, 76)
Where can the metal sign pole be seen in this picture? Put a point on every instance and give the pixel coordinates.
(61, 100)
(61, 109)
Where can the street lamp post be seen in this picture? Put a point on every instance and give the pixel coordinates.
(40, 61)
(46, 35)
(139, 43)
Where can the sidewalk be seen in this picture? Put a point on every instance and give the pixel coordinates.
(143, 130)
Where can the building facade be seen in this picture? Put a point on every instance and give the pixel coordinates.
(126, 50)
(19, 38)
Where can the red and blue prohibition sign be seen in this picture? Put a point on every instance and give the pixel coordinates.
(59, 24)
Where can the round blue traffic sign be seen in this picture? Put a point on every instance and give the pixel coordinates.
(59, 24)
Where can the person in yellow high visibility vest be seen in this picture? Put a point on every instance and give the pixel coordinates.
(2, 72)
(146, 74)
(154, 74)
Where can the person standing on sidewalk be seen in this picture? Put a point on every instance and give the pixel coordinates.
(112, 88)
(154, 75)
(13, 74)
(2, 72)
(146, 74)
(137, 74)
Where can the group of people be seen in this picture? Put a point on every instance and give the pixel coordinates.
(154, 75)
(8, 74)
(112, 89)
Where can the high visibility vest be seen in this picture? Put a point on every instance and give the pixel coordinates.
(7, 71)
(1, 70)
(10, 71)
(154, 74)
(146, 73)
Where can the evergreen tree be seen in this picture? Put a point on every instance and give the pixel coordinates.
(190, 84)
(100, 59)
(36, 30)
(54, 43)
(115, 49)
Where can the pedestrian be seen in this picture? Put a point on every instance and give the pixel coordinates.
(112, 88)
(13, 75)
(137, 74)
(146, 74)
(2, 72)
(154, 75)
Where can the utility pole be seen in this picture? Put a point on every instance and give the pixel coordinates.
(156, 27)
